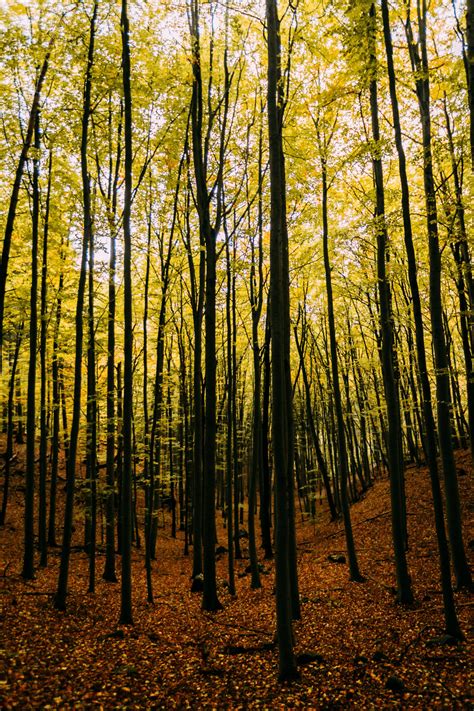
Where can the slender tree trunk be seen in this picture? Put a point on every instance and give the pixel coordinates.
(231, 531)
(16, 190)
(126, 586)
(119, 469)
(9, 447)
(341, 439)
(419, 59)
(465, 281)
(172, 476)
(91, 421)
(19, 436)
(279, 314)
(197, 431)
(208, 238)
(28, 559)
(42, 514)
(470, 72)
(60, 598)
(395, 458)
(265, 488)
(452, 625)
(155, 453)
(63, 410)
(109, 573)
(56, 410)
(256, 461)
(312, 428)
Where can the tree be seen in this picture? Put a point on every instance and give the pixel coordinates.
(208, 236)
(109, 573)
(341, 437)
(16, 188)
(28, 559)
(60, 597)
(9, 447)
(91, 421)
(392, 397)
(282, 429)
(452, 625)
(42, 513)
(419, 61)
(126, 583)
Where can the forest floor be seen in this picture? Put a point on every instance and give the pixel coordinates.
(362, 650)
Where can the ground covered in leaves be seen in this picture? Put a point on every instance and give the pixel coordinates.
(356, 647)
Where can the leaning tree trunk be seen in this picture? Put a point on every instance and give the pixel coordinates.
(7, 239)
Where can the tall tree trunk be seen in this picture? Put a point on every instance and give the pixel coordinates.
(282, 429)
(465, 280)
(42, 522)
(28, 559)
(392, 398)
(91, 421)
(208, 237)
(256, 302)
(419, 60)
(265, 487)
(198, 305)
(452, 625)
(470, 72)
(231, 530)
(355, 573)
(126, 586)
(109, 573)
(56, 408)
(7, 239)
(312, 428)
(9, 447)
(60, 598)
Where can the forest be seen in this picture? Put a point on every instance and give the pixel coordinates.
(236, 353)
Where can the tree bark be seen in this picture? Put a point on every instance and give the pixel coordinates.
(16, 190)
(126, 616)
(28, 559)
(419, 60)
(282, 429)
(61, 593)
(42, 513)
(392, 397)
